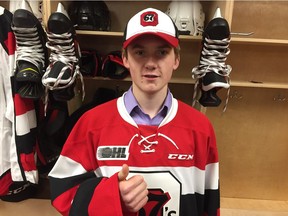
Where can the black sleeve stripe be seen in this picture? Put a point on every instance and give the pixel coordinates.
(199, 205)
(59, 186)
(212, 201)
(83, 197)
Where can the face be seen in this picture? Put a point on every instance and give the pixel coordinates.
(151, 62)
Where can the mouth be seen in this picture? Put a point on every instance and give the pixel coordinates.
(150, 76)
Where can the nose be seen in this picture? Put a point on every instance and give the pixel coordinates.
(150, 63)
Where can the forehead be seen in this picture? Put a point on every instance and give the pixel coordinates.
(149, 40)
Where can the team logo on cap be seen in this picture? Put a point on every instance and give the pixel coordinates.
(149, 18)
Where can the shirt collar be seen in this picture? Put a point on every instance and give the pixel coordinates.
(131, 102)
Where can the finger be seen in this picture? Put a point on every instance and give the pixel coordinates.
(122, 175)
(134, 197)
(133, 190)
(138, 203)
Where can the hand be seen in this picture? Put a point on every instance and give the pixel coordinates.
(133, 191)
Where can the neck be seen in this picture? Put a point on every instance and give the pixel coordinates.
(150, 103)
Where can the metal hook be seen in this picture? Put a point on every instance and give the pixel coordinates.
(242, 33)
(231, 33)
(236, 95)
(280, 97)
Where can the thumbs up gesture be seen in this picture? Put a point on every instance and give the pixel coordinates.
(133, 191)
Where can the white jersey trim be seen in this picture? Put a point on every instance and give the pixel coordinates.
(193, 180)
(68, 167)
(123, 111)
(126, 116)
(22, 127)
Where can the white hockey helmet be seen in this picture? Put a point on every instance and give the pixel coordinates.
(188, 16)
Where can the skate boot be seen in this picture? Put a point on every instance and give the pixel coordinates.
(64, 59)
(212, 73)
(31, 53)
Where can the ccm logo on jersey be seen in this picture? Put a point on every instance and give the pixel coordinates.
(180, 157)
(112, 153)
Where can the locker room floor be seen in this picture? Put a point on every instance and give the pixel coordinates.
(230, 207)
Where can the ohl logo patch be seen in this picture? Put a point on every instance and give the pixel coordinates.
(112, 153)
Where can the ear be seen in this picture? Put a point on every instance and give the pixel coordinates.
(177, 62)
(125, 59)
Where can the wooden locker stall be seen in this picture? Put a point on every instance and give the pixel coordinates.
(252, 134)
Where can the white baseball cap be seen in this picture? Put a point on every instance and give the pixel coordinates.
(151, 21)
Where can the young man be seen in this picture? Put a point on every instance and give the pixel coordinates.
(144, 153)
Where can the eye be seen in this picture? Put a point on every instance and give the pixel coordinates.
(162, 52)
(139, 52)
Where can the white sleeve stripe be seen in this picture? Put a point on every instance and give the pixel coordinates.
(66, 167)
(32, 176)
(22, 127)
(212, 176)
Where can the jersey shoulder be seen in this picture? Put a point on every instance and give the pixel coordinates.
(190, 117)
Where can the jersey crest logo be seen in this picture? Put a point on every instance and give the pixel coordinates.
(163, 199)
(157, 198)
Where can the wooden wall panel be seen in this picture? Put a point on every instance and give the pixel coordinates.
(252, 138)
(265, 18)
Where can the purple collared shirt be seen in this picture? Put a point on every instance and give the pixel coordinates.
(139, 116)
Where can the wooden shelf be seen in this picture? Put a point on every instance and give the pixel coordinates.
(128, 79)
(176, 80)
(254, 84)
(120, 34)
(100, 33)
(258, 41)
(236, 40)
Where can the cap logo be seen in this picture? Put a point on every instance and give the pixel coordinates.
(149, 18)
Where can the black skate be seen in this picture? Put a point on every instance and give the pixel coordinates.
(31, 53)
(212, 73)
(65, 54)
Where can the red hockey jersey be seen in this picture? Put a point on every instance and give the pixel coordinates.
(18, 173)
(178, 160)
